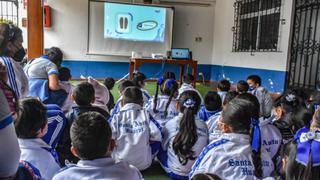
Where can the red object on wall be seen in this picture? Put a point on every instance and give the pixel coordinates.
(47, 16)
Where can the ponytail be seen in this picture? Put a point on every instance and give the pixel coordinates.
(155, 100)
(187, 135)
(255, 138)
(171, 86)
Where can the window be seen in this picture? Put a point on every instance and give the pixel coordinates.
(9, 11)
(256, 25)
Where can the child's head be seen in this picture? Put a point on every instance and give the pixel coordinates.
(32, 119)
(64, 74)
(285, 104)
(169, 88)
(109, 83)
(254, 100)
(188, 78)
(55, 55)
(224, 85)
(205, 176)
(91, 136)
(212, 101)
(123, 85)
(239, 116)
(132, 95)
(83, 94)
(188, 104)
(169, 75)
(229, 96)
(139, 79)
(253, 81)
(242, 87)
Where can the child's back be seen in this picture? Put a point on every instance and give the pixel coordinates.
(133, 128)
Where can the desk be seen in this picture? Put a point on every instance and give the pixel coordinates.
(135, 63)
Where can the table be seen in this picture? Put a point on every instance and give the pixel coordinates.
(135, 63)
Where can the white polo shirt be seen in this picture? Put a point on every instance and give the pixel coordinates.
(103, 168)
(133, 129)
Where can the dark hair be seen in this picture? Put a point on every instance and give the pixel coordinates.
(15, 32)
(132, 95)
(138, 78)
(187, 136)
(55, 55)
(169, 75)
(212, 101)
(205, 176)
(109, 82)
(301, 118)
(90, 136)
(124, 85)
(83, 94)
(64, 74)
(224, 85)
(242, 86)
(188, 78)
(31, 118)
(254, 100)
(296, 170)
(169, 88)
(289, 102)
(238, 114)
(255, 78)
(4, 39)
(229, 96)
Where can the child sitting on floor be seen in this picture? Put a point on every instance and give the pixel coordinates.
(212, 105)
(64, 81)
(31, 125)
(186, 85)
(92, 143)
(121, 88)
(242, 87)
(137, 135)
(223, 87)
(109, 83)
(139, 80)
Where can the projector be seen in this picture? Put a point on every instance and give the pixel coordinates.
(157, 56)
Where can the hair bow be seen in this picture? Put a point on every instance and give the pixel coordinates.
(170, 83)
(189, 103)
(256, 139)
(290, 97)
(160, 81)
(308, 142)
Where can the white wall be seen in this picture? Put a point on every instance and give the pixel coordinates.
(223, 39)
(70, 26)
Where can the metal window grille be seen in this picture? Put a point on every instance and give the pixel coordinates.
(9, 11)
(256, 25)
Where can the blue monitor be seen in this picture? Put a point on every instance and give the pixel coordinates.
(180, 53)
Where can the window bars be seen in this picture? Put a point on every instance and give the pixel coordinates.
(9, 12)
(256, 25)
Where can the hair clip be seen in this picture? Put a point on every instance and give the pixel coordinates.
(290, 97)
(189, 103)
(308, 142)
(170, 83)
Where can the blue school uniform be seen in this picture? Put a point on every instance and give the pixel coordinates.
(162, 101)
(204, 114)
(135, 131)
(103, 168)
(168, 159)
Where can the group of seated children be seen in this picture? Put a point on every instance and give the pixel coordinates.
(228, 134)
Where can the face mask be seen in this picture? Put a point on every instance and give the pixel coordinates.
(19, 55)
(251, 88)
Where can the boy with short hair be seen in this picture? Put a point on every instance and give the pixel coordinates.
(265, 100)
(125, 84)
(223, 87)
(212, 105)
(187, 86)
(137, 134)
(64, 82)
(242, 87)
(92, 143)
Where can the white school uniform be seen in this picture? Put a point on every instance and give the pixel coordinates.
(37, 153)
(133, 128)
(68, 87)
(9, 151)
(212, 123)
(271, 138)
(161, 106)
(222, 95)
(170, 131)
(103, 168)
(117, 107)
(265, 101)
(188, 87)
(17, 79)
(146, 96)
(230, 158)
